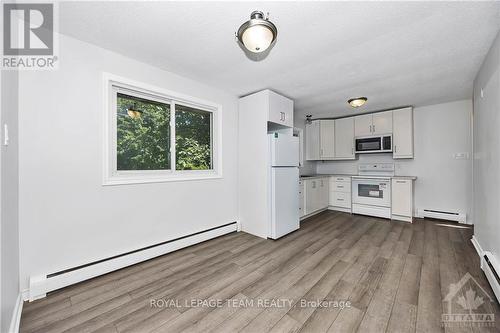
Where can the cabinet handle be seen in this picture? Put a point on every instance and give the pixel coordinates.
(373, 128)
(401, 181)
(340, 186)
(338, 199)
(395, 148)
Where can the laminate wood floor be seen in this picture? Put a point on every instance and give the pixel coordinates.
(394, 274)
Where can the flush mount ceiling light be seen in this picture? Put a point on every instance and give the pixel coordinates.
(357, 102)
(258, 33)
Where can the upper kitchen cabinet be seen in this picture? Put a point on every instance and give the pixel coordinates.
(312, 140)
(363, 125)
(334, 139)
(280, 109)
(320, 140)
(373, 124)
(402, 135)
(382, 123)
(327, 139)
(344, 138)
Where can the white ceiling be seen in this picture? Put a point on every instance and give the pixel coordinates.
(395, 53)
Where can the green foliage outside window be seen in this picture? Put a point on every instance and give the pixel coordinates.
(143, 138)
(143, 143)
(192, 138)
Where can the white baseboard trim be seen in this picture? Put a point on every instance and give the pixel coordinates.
(490, 275)
(313, 213)
(340, 209)
(490, 272)
(25, 294)
(44, 283)
(15, 322)
(402, 218)
(477, 246)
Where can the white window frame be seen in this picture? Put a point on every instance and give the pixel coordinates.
(112, 176)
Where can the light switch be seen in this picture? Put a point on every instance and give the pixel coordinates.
(461, 156)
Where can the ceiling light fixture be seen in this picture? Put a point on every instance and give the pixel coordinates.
(258, 33)
(357, 102)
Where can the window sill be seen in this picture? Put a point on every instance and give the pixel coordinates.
(181, 177)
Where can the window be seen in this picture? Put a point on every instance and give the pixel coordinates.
(154, 135)
(143, 134)
(193, 140)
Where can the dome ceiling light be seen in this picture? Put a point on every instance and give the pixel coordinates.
(258, 33)
(357, 102)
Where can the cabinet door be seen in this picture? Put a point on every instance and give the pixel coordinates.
(324, 193)
(403, 133)
(344, 138)
(312, 141)
(363, 125)
(382, 123)
(280, 109)
(327, 139)
(311, 188)
(402, 197)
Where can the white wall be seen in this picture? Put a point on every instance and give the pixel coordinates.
(9, 232)
(67, 218)
(309, 167)
(487, 152)
(444, 183)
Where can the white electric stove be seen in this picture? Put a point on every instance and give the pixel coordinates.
(371, 190)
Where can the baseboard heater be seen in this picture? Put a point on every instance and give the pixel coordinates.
(491, 268)
(442, 215)
(42, 284)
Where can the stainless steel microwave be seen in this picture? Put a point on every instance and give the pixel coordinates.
(374, 144)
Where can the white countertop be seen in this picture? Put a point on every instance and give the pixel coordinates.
(357, 176)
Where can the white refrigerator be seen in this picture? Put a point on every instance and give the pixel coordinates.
(284, 184)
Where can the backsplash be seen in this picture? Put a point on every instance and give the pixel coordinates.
(403, 167)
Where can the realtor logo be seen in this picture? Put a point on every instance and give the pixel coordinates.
(468, 305)
(28, 36)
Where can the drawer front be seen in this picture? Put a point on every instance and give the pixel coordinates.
(341, 186)
(340, 179)
(340, 199)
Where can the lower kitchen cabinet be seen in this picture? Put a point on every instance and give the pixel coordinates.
(340, 193)
(402, 199)
(315, 193)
